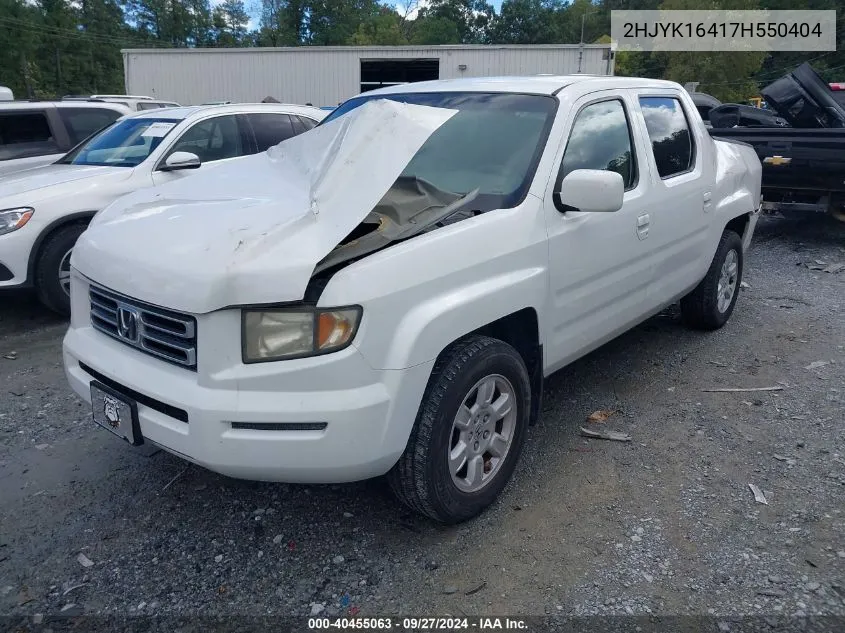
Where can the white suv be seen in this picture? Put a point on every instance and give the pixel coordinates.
(44, 210)
(34, 133)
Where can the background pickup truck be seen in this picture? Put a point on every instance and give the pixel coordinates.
(385, 293)
(803, 164)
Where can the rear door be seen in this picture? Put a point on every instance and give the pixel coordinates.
(600, 264)
(81, 122)
(679, 202)
(29, 133)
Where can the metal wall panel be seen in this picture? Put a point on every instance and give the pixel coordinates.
(329, 75)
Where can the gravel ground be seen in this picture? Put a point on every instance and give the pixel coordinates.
(665, 524)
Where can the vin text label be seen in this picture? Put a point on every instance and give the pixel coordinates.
(723, 30)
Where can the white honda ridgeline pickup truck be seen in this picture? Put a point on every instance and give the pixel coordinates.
(385, 293)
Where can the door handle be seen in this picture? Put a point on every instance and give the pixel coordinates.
(707, 201)
(643, 222)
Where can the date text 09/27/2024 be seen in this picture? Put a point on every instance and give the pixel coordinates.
(419, 624)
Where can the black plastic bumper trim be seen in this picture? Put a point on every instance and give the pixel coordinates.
(167, 409)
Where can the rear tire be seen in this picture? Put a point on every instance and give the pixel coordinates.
(461, 454)
(711, 304)
(52, 268)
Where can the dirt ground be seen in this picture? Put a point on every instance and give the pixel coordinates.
(665, 524)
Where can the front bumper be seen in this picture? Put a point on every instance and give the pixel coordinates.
(368, 413)
(15, 248)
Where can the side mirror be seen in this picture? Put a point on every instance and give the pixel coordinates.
(592, 190)
(181, 160)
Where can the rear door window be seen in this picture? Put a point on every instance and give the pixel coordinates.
(306, 122)
(669, 131)
(270, 129)
(25, 134)
(298, 127)
(83, 122)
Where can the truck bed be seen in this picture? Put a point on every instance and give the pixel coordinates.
(799, 164)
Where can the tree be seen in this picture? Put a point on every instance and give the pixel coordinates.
(283, 22)
(382, 29)
(471, 19)
(230, 21)
(333, 22)
(434, 31)
(20, 43)
(726, 75)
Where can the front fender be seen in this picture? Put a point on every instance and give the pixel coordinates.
(423, 294)
(432, 325)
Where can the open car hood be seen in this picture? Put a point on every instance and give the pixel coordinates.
(252, 232)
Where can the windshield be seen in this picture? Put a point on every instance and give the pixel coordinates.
(492, 144)
(127, 143)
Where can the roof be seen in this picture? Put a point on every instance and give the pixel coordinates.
(533, 84)
(140, 97)
(185, 112)
(354, 49)
(34, 105)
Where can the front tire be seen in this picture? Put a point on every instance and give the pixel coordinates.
(469, 431)
(52, 268)
(711, 304)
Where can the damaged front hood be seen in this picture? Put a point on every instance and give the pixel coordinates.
(252, 231)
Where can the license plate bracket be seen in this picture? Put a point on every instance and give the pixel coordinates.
(116, 413)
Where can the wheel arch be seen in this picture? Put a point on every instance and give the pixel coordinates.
(80, 217)
(520, 330)
(739, 224)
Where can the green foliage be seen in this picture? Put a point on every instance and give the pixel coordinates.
(435, 30)
(230, 21)
(525, 22)
(471, 19)
(54, 47)
(728, 76)
(382, 29)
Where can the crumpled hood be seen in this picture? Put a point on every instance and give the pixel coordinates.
(252, 231)
(37, 183)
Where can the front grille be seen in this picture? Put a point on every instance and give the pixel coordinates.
(165, 334)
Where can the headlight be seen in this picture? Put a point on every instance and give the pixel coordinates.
(13, 219)
(294, 333)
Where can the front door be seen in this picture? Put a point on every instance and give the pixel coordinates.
(600, 263)
(213, 140)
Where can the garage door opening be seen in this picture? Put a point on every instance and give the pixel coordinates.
(376, 73)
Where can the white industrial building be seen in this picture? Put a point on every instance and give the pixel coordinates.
(327, 75)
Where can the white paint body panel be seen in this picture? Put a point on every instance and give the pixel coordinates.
(587, 276)
(20, 164)
(59, 192)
